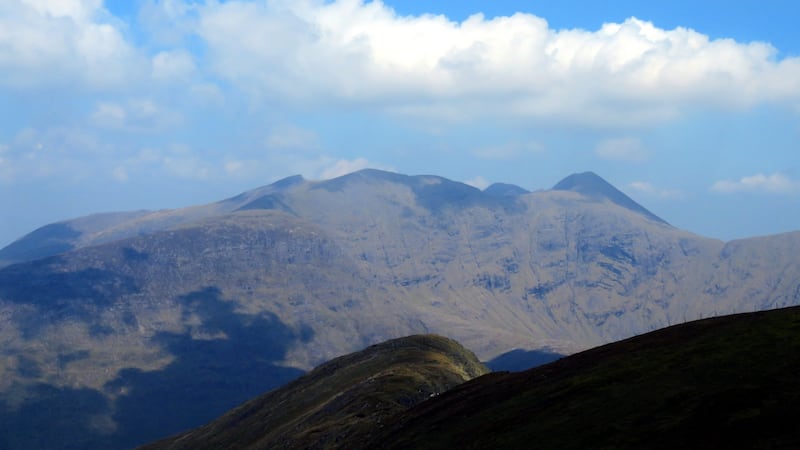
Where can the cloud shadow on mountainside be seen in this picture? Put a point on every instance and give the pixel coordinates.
(59, 295)
(236, 359)
(51, 417)
(209, 375)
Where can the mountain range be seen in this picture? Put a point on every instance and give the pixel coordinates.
(158, 321)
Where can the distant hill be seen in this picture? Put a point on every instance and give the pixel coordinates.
(505, 190)
(345, 400)
(728, 382)
(141, 315)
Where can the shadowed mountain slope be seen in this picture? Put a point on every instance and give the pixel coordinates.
(345, 400)
(505, 190)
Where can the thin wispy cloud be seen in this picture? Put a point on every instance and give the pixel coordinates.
(627, 149)
(343, 167)
(647, 188)
(478, 182)
(509, 150)
(776, 183)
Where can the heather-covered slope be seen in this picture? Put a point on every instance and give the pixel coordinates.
(727, 382)
(346, 400)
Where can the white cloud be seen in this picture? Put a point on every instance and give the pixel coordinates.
(776, 183)
(49, 152)
(648, 188)
(629, 149)
(108, 114)
(478, 182)
(62, 42)
(205, 93)
(188, 167)
(77, 9)
(172, 65)
(120, 174)
(233, 167)
(510, 150)
(174, 160)
(142, 114)
(344, 166)
(167, 22)
(364, 53)
(291, 137)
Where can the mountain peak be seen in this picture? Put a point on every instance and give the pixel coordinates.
(284, 183)
(594, 186)
(505, 190)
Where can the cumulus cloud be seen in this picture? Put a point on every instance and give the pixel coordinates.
(365, 53)
(648, 188)
(629, 149)
(62, 42)
(776, 183)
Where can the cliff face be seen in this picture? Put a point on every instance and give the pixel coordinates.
(295, 273)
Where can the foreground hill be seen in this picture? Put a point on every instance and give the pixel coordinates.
(137, 316)
(728, 382)
(348, 399)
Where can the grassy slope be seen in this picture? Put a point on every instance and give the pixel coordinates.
(345, 400)
(729, 382)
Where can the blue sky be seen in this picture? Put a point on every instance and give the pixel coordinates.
(691, 108)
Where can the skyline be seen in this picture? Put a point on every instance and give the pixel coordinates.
(692, 110)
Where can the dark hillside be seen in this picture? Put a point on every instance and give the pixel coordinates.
(728, 382)
(345, 400)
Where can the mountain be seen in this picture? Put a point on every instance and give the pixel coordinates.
(726, 382)
(593, 186)
(143, 316)
(505, 190)
(344, 400)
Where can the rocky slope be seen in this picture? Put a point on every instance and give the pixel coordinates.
(116, 312)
